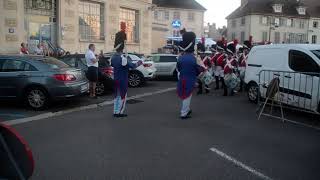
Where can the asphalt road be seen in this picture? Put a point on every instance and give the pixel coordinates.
(223, 140)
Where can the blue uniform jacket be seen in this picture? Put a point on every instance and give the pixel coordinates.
(121, 74)
(189, 70)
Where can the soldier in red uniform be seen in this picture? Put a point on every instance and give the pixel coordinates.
(230, 64)
(218, 61)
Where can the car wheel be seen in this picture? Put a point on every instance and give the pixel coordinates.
(135, 79)
(37, 98)
(253, 94)
(100, 89)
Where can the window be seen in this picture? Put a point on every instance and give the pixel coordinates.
(264, 20)
(71, 61)
(233, 36)
(155, 58)
(277, 8)
(276, 21)
(301, 10)
(315, 24)
(54, 63)
(191, 16)
(131, 18)
(314, 39)
(317, 53)
(242, 37)
(301, 24)
(264, 36)
(156, 15)
(168, 59)
(290, 22)
(301, 62)
(13, 66)
(277, 37)
(176, 15)
(243, 21)
(233, 23)
(166, 15)
(91, 21)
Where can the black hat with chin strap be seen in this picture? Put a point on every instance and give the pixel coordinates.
(188, 42)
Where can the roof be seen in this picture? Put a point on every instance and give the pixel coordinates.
(265, 7)
(181, 4)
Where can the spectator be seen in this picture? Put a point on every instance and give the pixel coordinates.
(24, 49)
(39, 50)
(92, 74)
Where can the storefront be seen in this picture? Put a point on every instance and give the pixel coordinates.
(74, 24)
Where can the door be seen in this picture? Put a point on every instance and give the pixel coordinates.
(14, 76)
(302, 88)
(168, 64)
(158, 65)
(38, 32)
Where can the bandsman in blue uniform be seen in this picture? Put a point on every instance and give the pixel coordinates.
(121, 66)
(188, 72)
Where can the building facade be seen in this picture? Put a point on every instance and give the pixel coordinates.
(211, 31)
(276, 21)
(74, 24)
(169, 17)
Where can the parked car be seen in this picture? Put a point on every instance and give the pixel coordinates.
(165, 64)
(39, 80)
(298, 68)
(105, 81)
(141, 74)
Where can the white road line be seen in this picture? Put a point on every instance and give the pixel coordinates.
(82, 108)
(240, 164)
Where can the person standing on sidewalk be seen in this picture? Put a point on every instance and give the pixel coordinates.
(188, 72)
(92, 74)
(121, 66)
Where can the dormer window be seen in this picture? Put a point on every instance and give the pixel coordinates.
(277, 8)
(301, 10)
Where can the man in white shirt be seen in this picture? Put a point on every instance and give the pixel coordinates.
(92, 74)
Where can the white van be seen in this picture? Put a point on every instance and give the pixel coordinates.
(296, 65)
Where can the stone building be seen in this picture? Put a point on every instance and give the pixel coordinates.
(277, 21)
(73, 24)
(170, 16)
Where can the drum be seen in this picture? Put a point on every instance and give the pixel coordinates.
(206, 78)
(231, 80)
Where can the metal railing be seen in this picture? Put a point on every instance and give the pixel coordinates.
(297, 90)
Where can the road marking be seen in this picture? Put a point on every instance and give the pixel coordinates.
(81, 108)
(240, 164)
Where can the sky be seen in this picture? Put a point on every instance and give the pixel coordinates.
(218, 10)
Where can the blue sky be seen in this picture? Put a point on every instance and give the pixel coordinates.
(217, 10)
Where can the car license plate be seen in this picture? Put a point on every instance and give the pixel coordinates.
(84, 87)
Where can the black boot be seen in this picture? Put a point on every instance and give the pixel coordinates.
(217, 83)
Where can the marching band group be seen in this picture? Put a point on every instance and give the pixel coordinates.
(226, 65)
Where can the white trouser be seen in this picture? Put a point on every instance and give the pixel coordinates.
(119, 104)
(185, 106)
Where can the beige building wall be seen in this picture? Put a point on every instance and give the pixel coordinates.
(12, 31)
(67, 25)
(162, 28)
(314, 31)
(254, 27)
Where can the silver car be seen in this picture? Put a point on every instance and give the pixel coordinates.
(165, 64)
(39, 80)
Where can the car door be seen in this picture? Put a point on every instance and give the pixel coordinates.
(168, 64)
(158, 65)
(302, 86)
(13, 77)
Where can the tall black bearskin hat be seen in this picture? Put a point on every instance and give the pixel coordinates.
(188, 42)
(213, 48)
(231, 49)
(247, 45)
(119, 42)
(220, 46)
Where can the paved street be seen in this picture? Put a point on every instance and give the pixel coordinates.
(223, 140)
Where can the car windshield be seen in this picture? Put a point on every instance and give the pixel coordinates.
(54, 63)
(316, 52)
